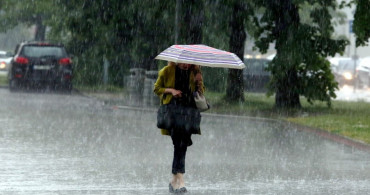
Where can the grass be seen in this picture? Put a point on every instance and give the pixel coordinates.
(256, 105)
(350, 119)
(3, 79)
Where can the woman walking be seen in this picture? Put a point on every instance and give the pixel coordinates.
(175, 85)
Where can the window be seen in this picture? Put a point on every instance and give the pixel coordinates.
(42, 51)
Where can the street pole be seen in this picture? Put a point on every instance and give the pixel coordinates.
(105, 71)
(355, 58)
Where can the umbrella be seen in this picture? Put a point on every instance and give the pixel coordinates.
(201, 55)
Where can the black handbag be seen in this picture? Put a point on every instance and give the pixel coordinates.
(172, 116)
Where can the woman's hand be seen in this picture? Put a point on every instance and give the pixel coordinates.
(175, 93)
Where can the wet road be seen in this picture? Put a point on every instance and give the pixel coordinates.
(348, 93)
(70, 144)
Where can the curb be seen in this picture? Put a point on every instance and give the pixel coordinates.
(319, 132)
(346, 141)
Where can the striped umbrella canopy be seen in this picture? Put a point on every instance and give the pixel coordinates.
(201, 55)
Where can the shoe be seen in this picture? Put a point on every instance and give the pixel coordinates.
(181, 190)
(171, 189)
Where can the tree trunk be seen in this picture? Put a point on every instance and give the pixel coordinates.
(235, 84)
(287, 18)
(286, 96)
(40, 29)
(191, 28)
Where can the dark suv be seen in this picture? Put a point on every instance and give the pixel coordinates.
(40, 64)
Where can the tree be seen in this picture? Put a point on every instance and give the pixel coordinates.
(226, 29)
(27, 12)
(190, 27)
(235, 84)
(154, 30)
(300, 67)
(361, 26)
(216, 30)
(128, 34)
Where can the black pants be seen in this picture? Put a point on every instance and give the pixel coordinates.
(180, 142)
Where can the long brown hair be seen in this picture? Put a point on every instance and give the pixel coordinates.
(194, 68)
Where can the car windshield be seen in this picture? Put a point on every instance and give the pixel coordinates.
(346, 66)
(41, 51)
(3, 55)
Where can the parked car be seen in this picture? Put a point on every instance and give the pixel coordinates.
(363, 73)
(40, 64)
(345, 72)
(349, 72)
(5, 58)
(255, 75)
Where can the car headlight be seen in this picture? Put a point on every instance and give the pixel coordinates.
(2, 65)
(348, 76)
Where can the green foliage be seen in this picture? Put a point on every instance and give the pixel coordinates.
(89, 71)
(361, 25)
(224, 28)
(131, 33)
(190, 25)
(361, 20)
(216, 34)
(18, 11)
(215, 78)
(300, 68)
(126, 34)
(26, 12)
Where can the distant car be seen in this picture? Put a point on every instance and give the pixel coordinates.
(363, 73)
(5, 58)
(39, 64)
(255, 75)
(345, 72)
(349, 72)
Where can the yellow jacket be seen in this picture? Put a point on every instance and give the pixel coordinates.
(166, 79)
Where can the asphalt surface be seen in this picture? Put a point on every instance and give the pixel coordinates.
(349, 93)
(52, 143)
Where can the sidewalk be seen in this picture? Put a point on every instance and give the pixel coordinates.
(108, 98)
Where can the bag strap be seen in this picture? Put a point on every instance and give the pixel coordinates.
(163, 97)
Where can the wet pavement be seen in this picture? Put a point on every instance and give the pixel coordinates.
(349, 93)
(73, 144)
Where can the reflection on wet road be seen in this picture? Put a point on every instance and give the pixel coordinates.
(70, 144)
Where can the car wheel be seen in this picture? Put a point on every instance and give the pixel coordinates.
(13, 85)
(359, 84)
(68, 87)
